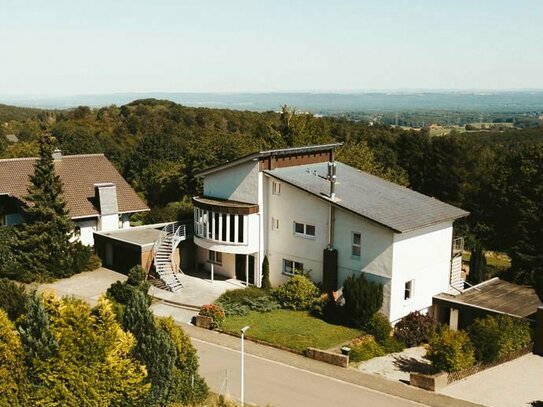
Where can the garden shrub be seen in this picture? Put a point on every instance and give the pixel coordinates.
(81, 255)
(94, 263)
(363, 298)
(392, 345)
(298, 293)
(261, 304)
(365, 348)
(215, 312)
(325, 307)
(450, 351)
(378, 326)
(414, 329)
(496, 336)
(240, 295)
(234, 309)
(12, 298)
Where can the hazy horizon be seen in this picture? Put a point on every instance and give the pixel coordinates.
(211, 46)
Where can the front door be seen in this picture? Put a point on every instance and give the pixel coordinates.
(241, 265)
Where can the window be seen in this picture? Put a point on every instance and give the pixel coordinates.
(408, 292)
(275, 224)
(292, 267)
(357, 244)
(276, 188)
(215, 257)
(302, 229)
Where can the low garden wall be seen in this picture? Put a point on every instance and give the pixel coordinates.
(327, 357)
(439, 380)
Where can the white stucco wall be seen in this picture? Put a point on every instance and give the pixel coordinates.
(290, 206)
(423, 256)
(239, 183)
(108, 222)
(86, 230)
(376, 251)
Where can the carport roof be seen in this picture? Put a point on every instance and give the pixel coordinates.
(140, 235)
(498, 296)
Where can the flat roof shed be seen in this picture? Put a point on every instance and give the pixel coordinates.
(494, 296)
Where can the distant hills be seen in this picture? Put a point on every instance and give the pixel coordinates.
(481, 101)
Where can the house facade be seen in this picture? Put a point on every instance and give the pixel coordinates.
(97, 197)
(309, 213)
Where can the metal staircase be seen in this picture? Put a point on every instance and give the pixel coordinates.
(456, 283)
(166, 267)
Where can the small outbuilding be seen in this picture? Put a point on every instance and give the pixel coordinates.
(490, 297)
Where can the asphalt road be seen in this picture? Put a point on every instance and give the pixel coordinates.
(278, 385)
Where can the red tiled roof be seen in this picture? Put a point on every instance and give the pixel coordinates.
(79, 173)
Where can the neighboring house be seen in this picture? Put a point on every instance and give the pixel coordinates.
(97, 197)
(311, 214)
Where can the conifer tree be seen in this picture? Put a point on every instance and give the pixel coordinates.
(42, 248)
(477, 265)
(363, 298)
(266, 284)
(36, 336)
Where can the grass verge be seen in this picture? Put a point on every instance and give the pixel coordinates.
(296, 330)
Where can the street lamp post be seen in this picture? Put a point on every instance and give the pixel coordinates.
(243, 330)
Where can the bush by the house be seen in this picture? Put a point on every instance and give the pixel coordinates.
(12, 298)
(363, 298)
(266, 284)
(239, 295)
(414, 329)
(326, 308)
(378, 326)
(450, 350)
(298, 293)
(215, 312)
(392, 345)
(262, 304)
(94, 263)
(239, 302)
(365, 348)
(496, 336)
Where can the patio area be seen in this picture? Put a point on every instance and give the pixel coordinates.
(197, 289)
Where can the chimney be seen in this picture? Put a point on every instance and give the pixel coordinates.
(332, 178)
(106, 198)
(57, 154)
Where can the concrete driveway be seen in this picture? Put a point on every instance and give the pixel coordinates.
(516, 383)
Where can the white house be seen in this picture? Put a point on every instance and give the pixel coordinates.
(309, 213)
(97, 197)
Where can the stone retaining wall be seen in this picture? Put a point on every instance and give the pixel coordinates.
(327, 357)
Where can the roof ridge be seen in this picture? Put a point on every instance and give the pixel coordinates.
(63, 157)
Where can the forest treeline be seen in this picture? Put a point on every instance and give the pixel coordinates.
(160, 146)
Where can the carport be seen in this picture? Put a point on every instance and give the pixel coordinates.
(492, 297)
(122, 249)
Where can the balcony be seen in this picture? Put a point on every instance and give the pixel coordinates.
(457, 246)
(220, 223)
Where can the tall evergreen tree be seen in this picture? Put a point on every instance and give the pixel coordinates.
(43, 247)
(266, 283)
(363, 298)
(477, 265)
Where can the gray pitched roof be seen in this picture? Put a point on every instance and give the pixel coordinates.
(391, 205)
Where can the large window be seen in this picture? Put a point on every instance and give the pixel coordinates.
(356, 247)
(291, 267)
(301, 229)
(409, 289)
(215, 257)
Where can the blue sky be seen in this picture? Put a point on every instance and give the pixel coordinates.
(77, 47)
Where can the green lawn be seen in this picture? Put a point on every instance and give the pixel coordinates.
(296, 330)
